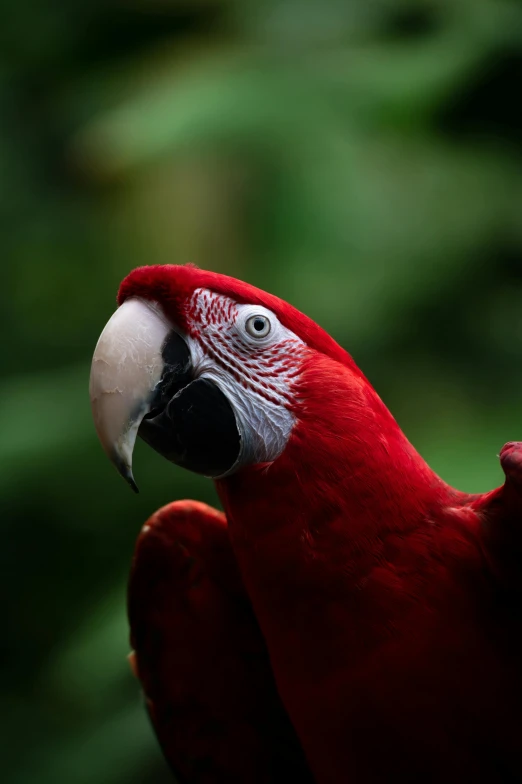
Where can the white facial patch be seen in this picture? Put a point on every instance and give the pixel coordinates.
(255, 361)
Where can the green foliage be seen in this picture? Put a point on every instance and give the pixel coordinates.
(360, 159)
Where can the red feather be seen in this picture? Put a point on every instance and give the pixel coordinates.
(201, 658)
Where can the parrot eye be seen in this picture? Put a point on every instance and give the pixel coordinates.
(258, 326)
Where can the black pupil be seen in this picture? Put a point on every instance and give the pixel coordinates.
(259, 324)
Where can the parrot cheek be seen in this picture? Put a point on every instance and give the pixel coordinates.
(196, 429)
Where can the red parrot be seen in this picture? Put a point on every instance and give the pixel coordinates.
(349, 617)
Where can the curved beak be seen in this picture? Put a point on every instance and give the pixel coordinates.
(143, 384)
(127, 368)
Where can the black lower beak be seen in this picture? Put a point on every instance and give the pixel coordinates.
(191, 423)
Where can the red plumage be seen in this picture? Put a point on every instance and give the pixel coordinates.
(201, 658)
(388, 602)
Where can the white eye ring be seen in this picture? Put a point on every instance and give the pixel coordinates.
(258, 326)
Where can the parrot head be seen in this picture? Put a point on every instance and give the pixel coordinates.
(204, 368)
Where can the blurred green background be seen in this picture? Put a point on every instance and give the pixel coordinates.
(360, 158)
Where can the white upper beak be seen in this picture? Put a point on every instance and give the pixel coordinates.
(126, 367)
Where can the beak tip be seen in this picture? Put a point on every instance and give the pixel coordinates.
(125, 470)
(132, 483)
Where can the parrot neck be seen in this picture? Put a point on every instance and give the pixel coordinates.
(320, 538)
(348, 480)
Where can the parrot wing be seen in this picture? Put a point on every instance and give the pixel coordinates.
(201, 658)
(500, 512)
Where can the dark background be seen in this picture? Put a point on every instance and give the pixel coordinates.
(360, 159)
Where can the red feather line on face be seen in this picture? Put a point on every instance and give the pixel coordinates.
(269, 371)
